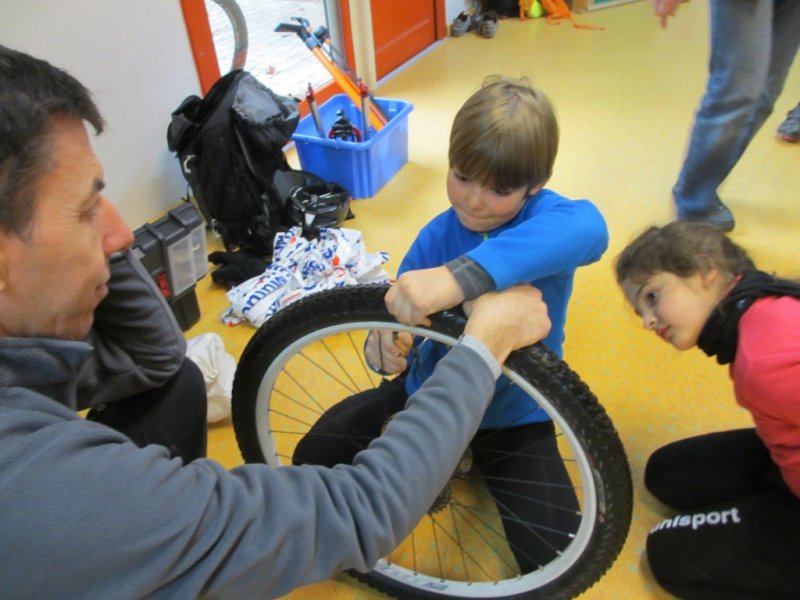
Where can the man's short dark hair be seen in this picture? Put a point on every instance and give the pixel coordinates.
(32, 93)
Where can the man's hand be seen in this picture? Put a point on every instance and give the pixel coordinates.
(665, 9)
(507, 320)
(417, 294)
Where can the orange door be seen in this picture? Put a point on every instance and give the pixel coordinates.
(401, 29)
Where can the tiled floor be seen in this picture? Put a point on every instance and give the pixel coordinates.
(279, 60)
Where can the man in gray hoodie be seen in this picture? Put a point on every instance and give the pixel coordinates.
(123, 507)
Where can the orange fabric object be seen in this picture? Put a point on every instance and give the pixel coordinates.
(557, 11)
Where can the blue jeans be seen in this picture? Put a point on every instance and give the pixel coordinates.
(753, 45)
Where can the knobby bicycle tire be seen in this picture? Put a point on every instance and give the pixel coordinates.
(325, 323)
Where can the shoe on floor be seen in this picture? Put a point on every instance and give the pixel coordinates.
(719, 216)
(488, 26)
(460, 24)
(789, 130)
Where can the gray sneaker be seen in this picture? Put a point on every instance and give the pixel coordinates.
(789, 130)
(460, 24)
(488, 24)
(719, 216)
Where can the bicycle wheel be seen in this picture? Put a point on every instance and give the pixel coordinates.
(309, 357)
(239, 28)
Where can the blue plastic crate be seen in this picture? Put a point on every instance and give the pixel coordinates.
(362, 168)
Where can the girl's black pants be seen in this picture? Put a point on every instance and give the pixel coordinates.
(736, 534)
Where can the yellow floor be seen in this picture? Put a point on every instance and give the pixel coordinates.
(625, 99)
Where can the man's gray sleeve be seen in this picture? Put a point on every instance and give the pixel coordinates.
(97, 517)
(471, 277)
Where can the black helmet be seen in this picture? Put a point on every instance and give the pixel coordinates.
(311, 202)
(316, 206)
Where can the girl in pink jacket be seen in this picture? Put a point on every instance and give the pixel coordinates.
(737, 534)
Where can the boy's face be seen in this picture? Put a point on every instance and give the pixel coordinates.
(481, 208)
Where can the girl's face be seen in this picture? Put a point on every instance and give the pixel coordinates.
(481, 208)
(676, 308)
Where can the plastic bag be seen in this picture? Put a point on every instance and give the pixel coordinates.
(301, 267)
(207, 351)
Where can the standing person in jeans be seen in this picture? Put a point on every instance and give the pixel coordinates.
(753, 45)
(93, 510)
(789, 130)
(736, 531)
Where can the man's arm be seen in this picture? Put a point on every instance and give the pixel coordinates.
(504, 322)
(110, 519)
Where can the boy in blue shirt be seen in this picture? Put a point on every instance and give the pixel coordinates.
(503, 228)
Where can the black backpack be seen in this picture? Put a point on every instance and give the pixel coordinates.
(230, 144)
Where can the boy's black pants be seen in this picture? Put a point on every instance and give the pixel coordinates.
(738, 533)
(521, 467)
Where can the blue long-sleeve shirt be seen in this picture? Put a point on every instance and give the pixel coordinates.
(543, 245)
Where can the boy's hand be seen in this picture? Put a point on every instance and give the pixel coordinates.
(417, 294)
(507, 320)
(386, 350)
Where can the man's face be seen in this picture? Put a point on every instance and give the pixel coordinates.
(54, 276)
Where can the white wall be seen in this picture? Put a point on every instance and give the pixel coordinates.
(135, 58)
(453, 8)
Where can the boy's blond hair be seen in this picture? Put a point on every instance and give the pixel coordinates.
(505, 136)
